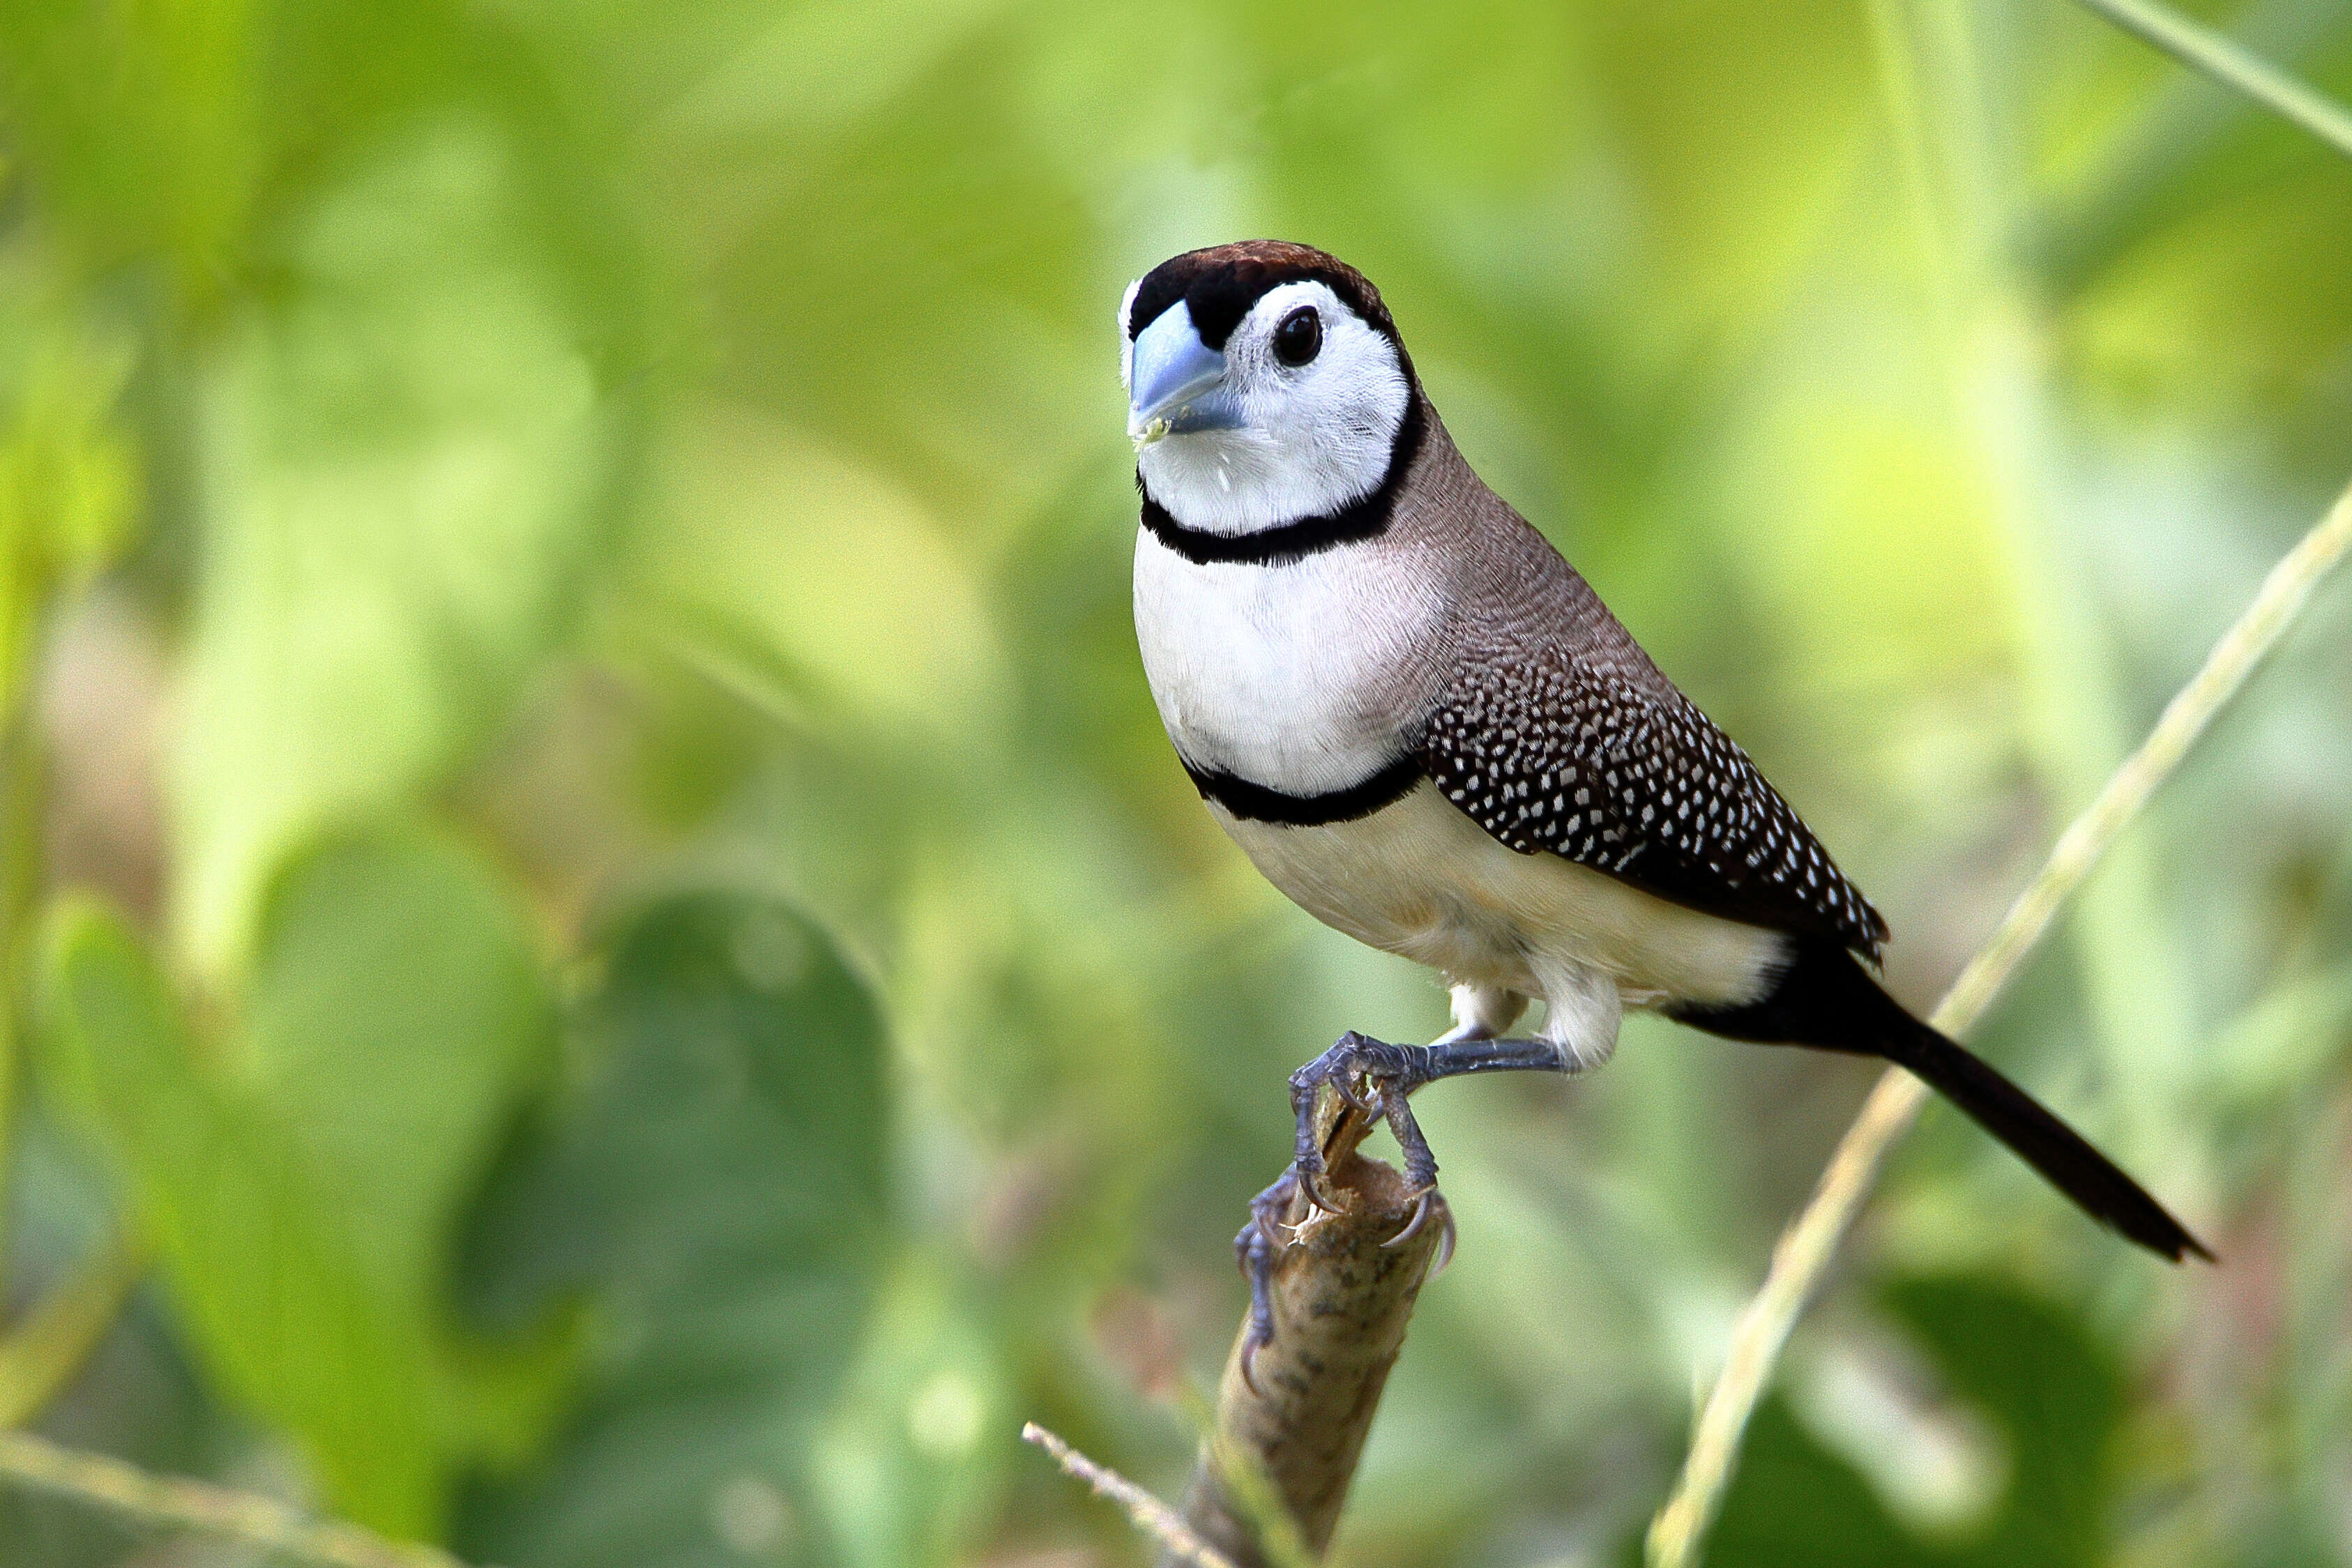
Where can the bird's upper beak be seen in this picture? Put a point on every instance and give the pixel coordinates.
(1177, 381)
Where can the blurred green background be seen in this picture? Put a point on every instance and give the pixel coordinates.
(610, 966)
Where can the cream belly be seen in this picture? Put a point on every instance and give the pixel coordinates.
(1422, 880)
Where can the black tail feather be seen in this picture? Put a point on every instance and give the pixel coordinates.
(2043, 1142)
(1826, 999)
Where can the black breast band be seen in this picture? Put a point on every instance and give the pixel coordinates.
(1256, 803)
(1363, 519)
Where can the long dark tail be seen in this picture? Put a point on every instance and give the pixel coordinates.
(1828, 1000)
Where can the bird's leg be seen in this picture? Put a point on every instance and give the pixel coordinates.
(1449, 1057)
(1269, 1229)
(1373, 1078)
(1352, 1068)
(1255, 1249)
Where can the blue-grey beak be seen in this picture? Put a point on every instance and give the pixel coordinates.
(1177, 381)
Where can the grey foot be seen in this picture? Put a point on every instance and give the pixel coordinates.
(1374, 1079)
(1255, 1249)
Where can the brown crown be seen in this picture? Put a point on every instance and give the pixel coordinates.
(1220, 285)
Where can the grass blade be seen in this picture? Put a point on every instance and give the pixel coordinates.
(2203, 50)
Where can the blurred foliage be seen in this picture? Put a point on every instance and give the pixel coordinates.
(590, 870)
(711, 1177)
(2054, 1399)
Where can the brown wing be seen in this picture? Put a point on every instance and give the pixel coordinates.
(1562, 756)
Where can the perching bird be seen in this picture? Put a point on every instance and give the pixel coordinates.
(1426, 728)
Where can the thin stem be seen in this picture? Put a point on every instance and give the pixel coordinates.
(42, 1353)
(174, 1504)
(1147, 1513)
(2076, 239)
(1805, 1249)
(2201, 49)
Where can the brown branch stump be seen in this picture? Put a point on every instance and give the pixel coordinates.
(1274, 1474)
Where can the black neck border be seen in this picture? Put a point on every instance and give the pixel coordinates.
(1366, 517)
(1256, 803)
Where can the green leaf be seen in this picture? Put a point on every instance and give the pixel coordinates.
(828, 576)
(714, 1184)
(402, 456)
(2057, 1396)
(47, 1348)
(264, 1271)
(395, 1012)
(1795, 1504)
(2030, 1368)
(144, 125)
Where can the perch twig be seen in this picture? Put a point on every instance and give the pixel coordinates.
(1274, 1468)
(1147, 1512)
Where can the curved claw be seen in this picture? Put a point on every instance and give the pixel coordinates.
(1251, 1345)
(1444, 1241)
(1420, 1205)
(1310, 1181)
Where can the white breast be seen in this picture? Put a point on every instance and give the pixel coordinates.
(1296, 677)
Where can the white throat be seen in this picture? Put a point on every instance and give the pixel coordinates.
(1235, 482)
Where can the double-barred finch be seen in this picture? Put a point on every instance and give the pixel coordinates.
(1426, 728)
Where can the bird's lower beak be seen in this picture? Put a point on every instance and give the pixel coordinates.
(1177, 381)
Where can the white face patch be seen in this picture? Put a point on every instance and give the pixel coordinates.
(1312, 437)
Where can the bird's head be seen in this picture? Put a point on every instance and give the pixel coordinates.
(1266, 382)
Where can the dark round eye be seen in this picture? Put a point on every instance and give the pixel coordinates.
(1300, 338)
